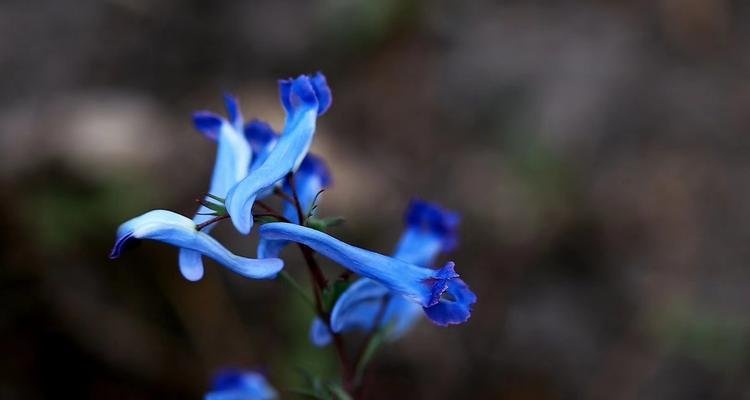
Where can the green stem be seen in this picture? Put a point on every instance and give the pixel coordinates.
(297, 288)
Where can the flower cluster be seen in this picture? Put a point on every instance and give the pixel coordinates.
(253, 162)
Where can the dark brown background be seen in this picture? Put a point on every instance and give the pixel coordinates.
(597, 151)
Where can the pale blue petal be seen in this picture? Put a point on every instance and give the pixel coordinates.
(430, 230)
(319, 333)
(418, 247)
(191, 264)
(299, 99)
(360, 305)
(179, 231)
(233, 157)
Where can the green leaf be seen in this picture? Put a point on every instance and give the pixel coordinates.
(217, 198)
(219, 209)
(332, 293)
(321, 224)
(338, 392)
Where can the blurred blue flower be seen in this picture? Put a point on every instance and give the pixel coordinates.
(234, 384)
(444, 297)
(303, 98)
(179, 231)
(233, 157)
(430, 230)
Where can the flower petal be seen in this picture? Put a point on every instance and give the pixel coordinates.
(421, 285)
(179, 231)
(262, 139)
(319, 333)
(361, 304)
(207, 123)
(430, 229)
(233, 111)
(453, 311)
(191, 264)
(299, 99)
(234, 384)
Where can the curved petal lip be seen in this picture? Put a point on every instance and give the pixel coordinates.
(124, 243)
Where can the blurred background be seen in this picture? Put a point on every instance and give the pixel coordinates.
(597, 151)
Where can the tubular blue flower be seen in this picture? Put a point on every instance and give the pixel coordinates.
(234, 384)
(430, 230)
(233, 157)
(420, 285)
(179, 231)
(303, 98)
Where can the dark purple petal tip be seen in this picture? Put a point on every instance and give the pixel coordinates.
(124, 243)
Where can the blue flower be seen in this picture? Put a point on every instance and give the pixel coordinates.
(233, 157)
(179, 231)
(430, 230)
(234, 384)
(303, 98)
(418, 284)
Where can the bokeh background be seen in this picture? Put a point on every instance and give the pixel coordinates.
(597, 151)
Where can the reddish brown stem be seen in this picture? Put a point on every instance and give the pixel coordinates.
(211, 221)
(319, 284)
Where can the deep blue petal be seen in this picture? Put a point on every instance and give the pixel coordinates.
(207, 123)
(298, 97)
(233, 110)
(322, 92)
(456, 310)
(235, 384)
(421, 285)
(262, 139)
(285, 91)
(179, 231)
(429, 218)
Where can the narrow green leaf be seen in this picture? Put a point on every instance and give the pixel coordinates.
(332, 294)
(338, 392)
